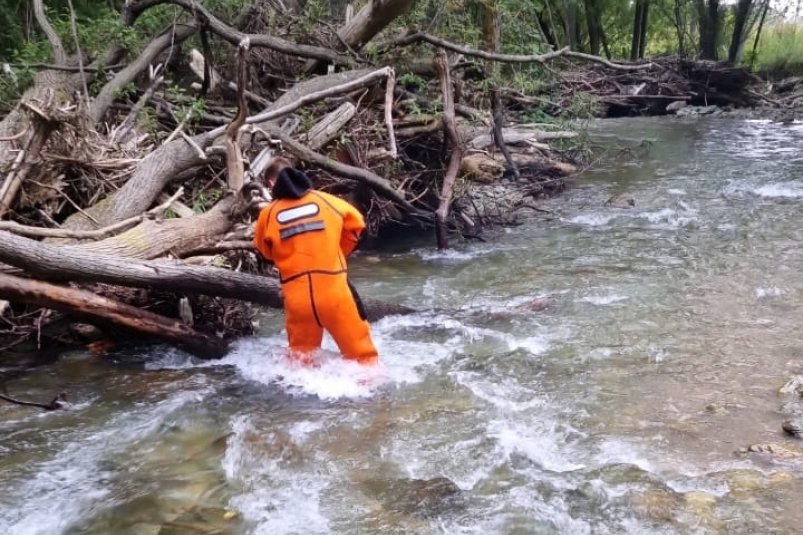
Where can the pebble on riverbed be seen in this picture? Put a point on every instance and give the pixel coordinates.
(794, 427)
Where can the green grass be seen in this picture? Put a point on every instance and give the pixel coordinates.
(780, 50)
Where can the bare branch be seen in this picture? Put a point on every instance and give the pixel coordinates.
(348, 87)
(376, 182)
(450, 131)
(234, 37)
(390, 87)
(421, 37)
(97, 234)
(74, 31)
(107, 95)
(59, 55)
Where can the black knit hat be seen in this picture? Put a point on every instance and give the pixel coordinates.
(291, 184)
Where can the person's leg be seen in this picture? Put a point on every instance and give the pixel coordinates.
(304, 332)
(339, 315)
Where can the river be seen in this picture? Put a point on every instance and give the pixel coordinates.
(620, 408)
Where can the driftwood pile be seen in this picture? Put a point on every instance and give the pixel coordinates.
(662, 82)
(101, 193)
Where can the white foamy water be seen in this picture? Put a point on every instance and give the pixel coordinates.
(604, 300)
(275, 497)
(71, 482)
(327, 375)
(771, 291)
(595, 220)
(788, 189)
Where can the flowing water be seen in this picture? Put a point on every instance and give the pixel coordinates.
(621, 408)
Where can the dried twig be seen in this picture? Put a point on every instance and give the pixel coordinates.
(96, 234)
(390, 86)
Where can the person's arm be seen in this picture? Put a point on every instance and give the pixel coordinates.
(353, 227)
(261, 242)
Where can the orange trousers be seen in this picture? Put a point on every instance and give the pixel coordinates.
(317, 301)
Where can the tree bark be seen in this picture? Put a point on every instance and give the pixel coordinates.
(594, 26)
(766, 8)
(708, 21)
(372, 19)
(450, 132)
(73, 264)
(97, 309)
(643, 28)
(638, 20)
(739, 33)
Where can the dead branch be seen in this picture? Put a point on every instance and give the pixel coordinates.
(390, 87)
(422, 37)
(234, 37)
(234, 155)
(497, 113)
(101, 233)
(450, 131)
(372, 19)
(55, 404)
(330, 126)
(374, 181)
(22, 167)
(316, 96)
(59, 55)
(109, 91)
(95, 308)
(121, 131)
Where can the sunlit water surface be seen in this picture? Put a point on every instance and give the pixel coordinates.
(621, 408)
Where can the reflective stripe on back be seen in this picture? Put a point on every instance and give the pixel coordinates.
(297, 212)
(301, 228)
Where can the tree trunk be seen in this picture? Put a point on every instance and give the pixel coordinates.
(97, 309)
(571, 20)
(594, 26)
(708, 20)
(638, 19)
(739, 33)
(643, 28)
(546, 29)
(680, 26)
(758, 31)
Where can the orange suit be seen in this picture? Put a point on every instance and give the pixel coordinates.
(308, 239)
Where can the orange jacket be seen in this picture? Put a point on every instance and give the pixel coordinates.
(313, 233)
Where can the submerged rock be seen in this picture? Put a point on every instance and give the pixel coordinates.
(622, 200)
(792, 386)
(794, 427)
(689, 111)
(416, 497)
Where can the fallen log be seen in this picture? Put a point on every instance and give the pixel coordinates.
(63, 264)
(97, 309)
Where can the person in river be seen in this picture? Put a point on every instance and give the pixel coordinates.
(308, 234)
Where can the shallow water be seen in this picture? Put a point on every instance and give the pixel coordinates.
(621, 408)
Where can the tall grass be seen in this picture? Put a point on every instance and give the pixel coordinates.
(780, 49)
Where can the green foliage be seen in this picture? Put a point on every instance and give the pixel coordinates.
(780, 49)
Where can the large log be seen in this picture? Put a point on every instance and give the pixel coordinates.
(97, 309)
(73, 264)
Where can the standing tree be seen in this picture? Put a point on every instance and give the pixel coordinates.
(739, 30)
(709, 24)
(639, 29)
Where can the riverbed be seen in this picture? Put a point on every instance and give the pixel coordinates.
(624, 406)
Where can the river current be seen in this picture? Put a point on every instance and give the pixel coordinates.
(622, 407)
